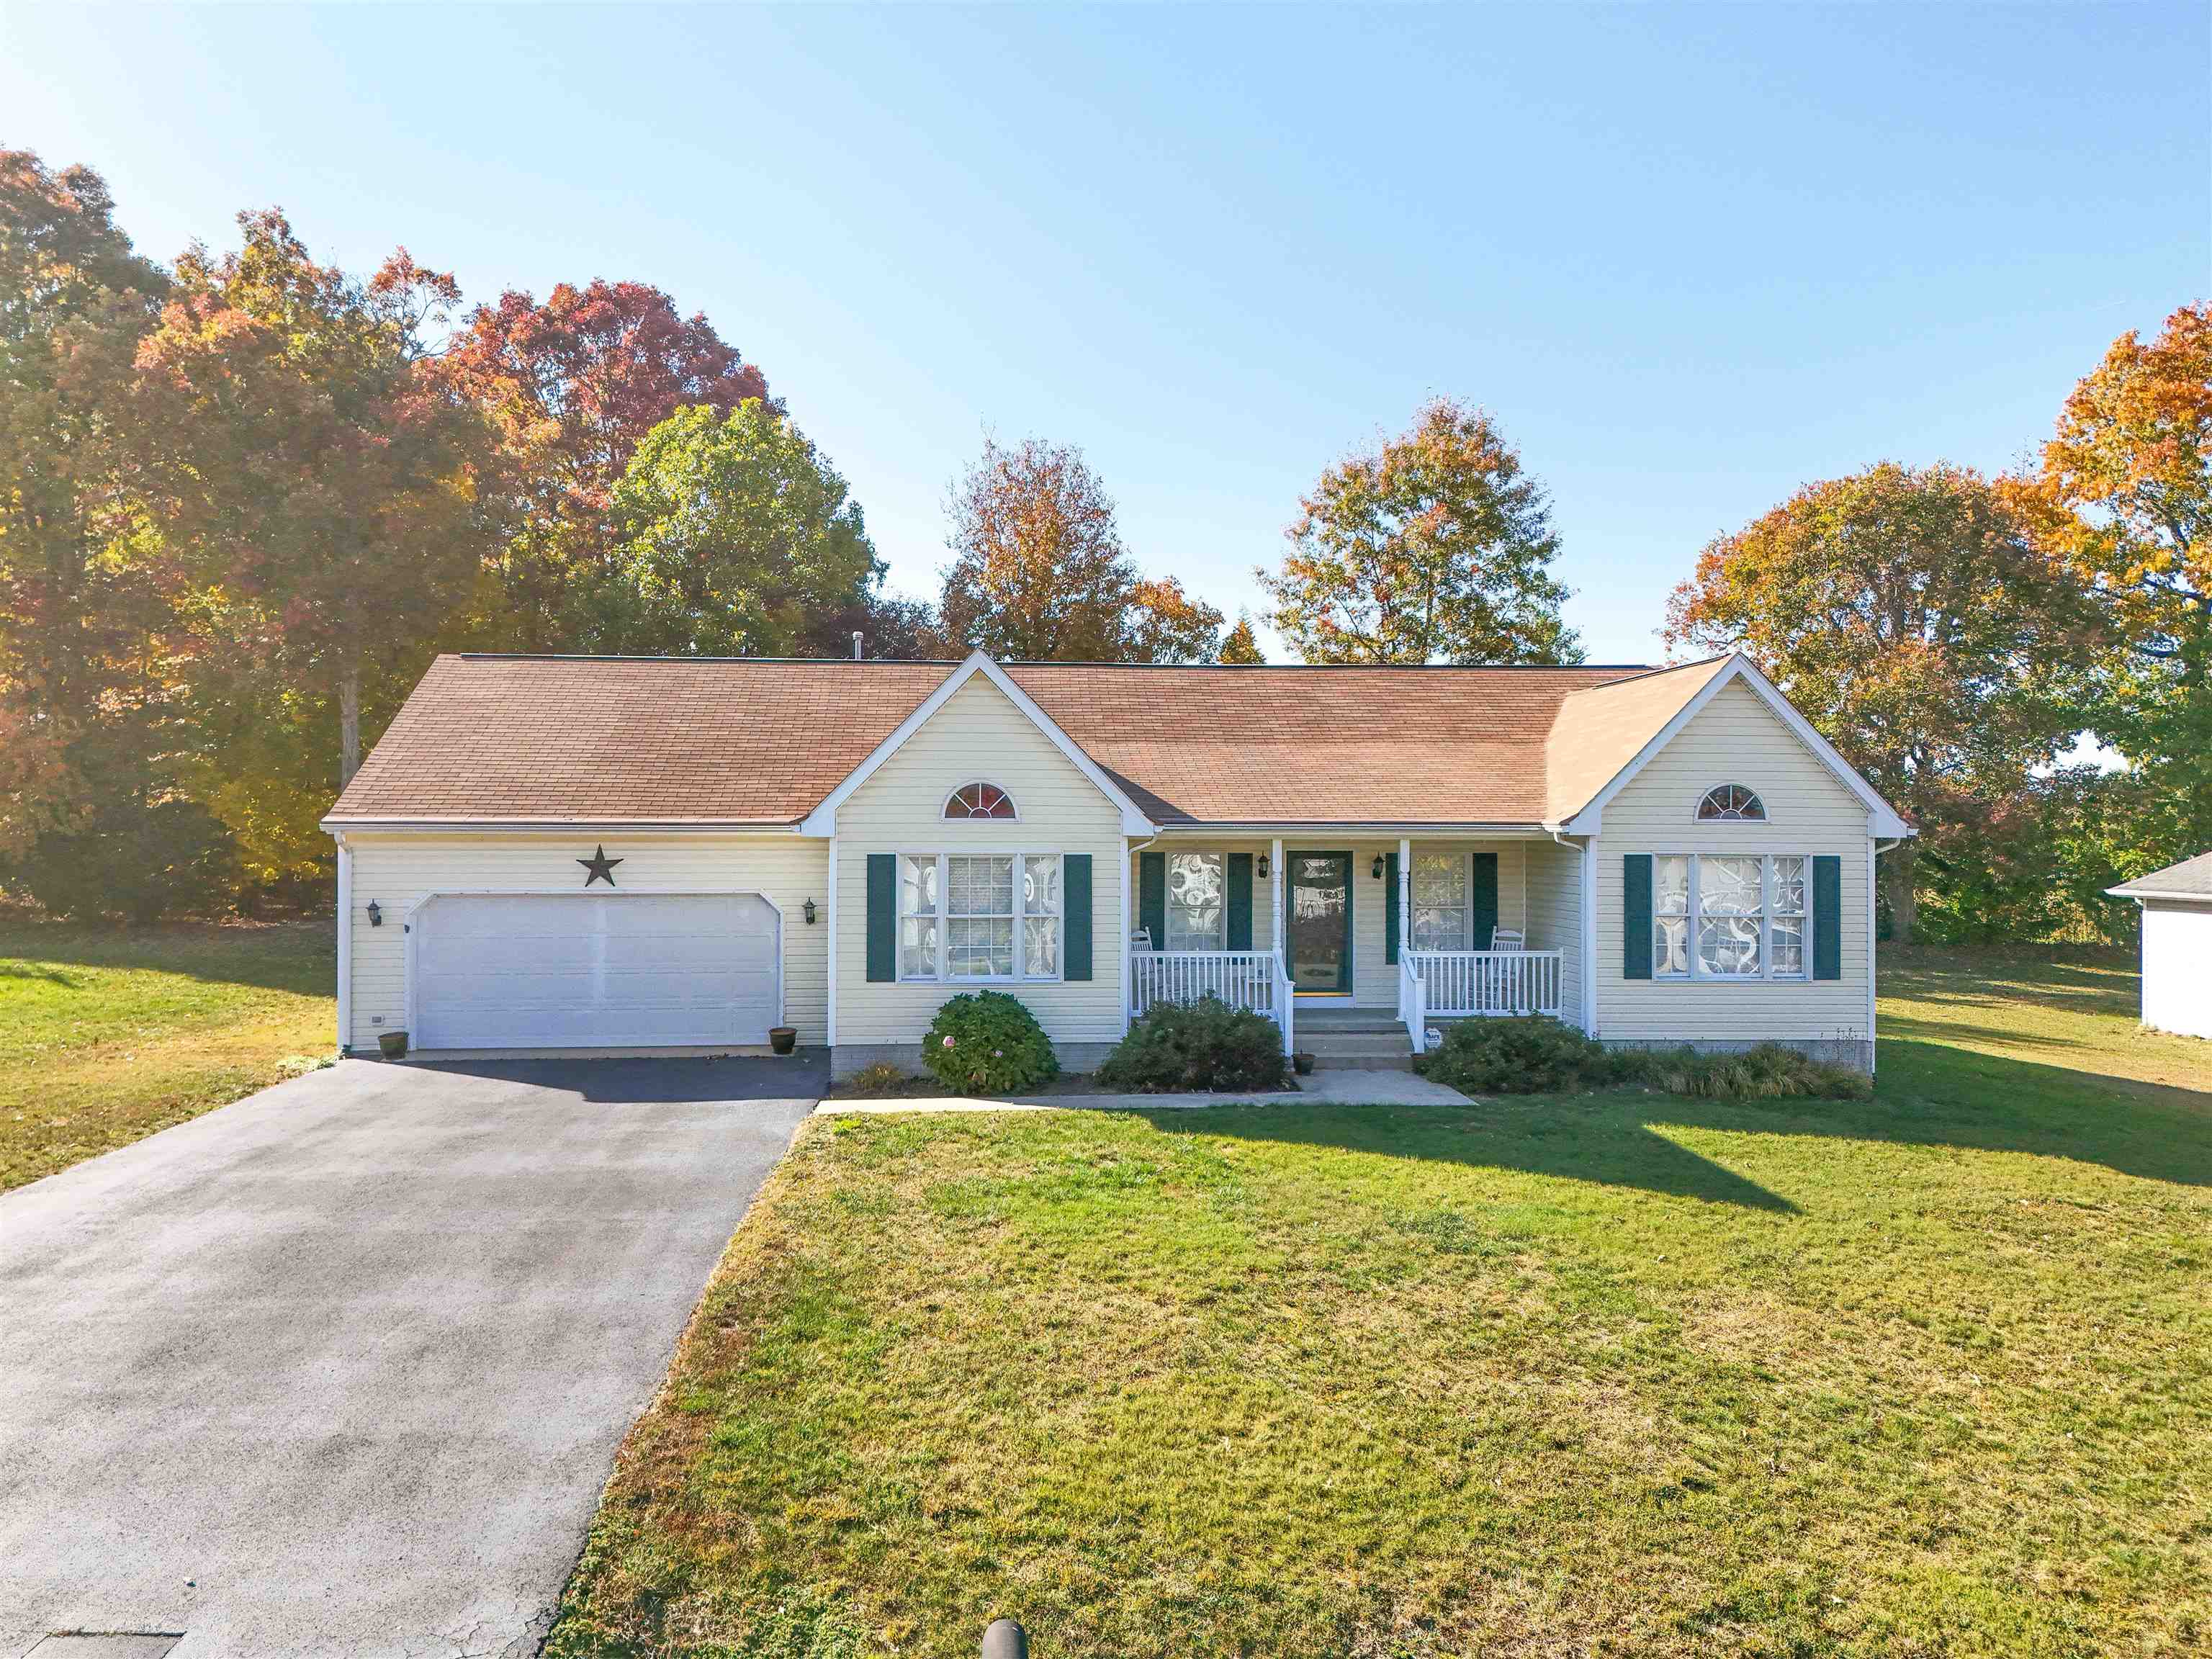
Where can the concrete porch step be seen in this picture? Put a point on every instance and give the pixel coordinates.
(1403, 1060)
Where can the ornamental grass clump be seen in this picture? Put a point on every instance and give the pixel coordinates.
(987, 1043)
(1768, 1071)
(1534, 1055)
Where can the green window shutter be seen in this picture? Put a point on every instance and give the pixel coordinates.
(1075, 897)
(1827, 918)
(1636, 915)
(1152, 896)
(1240, 901)
(1390, 906)
(1482, 898)
(882, 917)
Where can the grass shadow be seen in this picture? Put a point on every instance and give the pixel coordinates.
(40, 972)
(1930, 1094)
(1600, 1139)
(287, 955)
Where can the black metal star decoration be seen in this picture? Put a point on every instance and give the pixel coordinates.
(599, 867)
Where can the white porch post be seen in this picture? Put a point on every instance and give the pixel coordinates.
(1278, 928)
(1128, 859)
(1405, 896)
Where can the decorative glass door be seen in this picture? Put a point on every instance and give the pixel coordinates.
(1318, 929)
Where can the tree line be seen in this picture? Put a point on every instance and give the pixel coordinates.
(244, 497)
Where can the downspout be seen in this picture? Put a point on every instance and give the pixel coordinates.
(830, 942)
(1875, 847)
(345, 941)
(1586, 853)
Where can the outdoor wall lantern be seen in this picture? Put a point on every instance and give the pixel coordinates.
(808, 907)
(1377, 870)
(1263, 866)
(375, 915)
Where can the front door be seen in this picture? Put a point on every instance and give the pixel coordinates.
(1318, 929)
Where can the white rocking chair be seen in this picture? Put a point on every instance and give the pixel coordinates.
(1507, 939)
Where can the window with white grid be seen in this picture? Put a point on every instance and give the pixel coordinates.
(995, 916)
(1729, 916)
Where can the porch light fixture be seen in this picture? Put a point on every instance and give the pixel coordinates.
(1263, 866)
(808, 907)
(1376, 870)
(375, 915)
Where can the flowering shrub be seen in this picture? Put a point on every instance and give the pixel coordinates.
(987, 1043)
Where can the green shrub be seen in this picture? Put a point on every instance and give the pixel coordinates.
(1769, 1071)
(136, 862)
(1205, 1044)
(987, 1043)
(1531, 1055)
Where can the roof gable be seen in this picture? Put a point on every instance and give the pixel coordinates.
(822, 820)
(1606, 724)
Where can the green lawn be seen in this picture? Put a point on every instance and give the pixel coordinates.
(107, 1036)
(1928, 1375)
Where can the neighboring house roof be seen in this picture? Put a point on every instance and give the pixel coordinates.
(2191, 879)
(502, 739)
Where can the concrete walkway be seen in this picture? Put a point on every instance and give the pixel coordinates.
(1320, 1089)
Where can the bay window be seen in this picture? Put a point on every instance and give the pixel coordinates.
(1729, 916)
(994, 916)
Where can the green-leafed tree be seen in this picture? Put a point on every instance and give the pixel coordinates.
(2127, 480)
(1241, 644)
(1039, 570)
(1912, 617)
(731, 536)
(1435, 546)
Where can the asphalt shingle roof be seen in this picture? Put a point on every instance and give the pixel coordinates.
(570, 739)
(2190, 878)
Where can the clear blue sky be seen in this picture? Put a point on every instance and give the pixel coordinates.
(1690, 257)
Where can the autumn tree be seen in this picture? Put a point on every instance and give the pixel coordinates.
(574, 385)
(83, 602)
(1241, 644)
(320, 474)
(1435, 546)
(1040, 571)
(2127, 480)
(1909, 613)
(731, 536)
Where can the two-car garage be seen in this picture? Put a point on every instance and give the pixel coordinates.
(600, 970)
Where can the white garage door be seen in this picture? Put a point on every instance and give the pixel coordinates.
(624, 970)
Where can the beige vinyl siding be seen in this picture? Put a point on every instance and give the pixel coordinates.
(1736, 739)
(400, 870)
(978, 735)
(1555, 916)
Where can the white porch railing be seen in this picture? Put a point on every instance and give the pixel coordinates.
(1461, 984)
(1257, 980)
(1413, 1003)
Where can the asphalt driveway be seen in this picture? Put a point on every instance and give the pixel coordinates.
(342, 1369)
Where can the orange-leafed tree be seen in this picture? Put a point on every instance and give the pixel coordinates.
(1040, 571)
(2126, 486)
(1910, 614)
(319, 475)
(573, 384)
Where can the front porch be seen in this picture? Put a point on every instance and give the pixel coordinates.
(1411, 930)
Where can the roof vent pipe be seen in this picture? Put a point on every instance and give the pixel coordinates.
(856, 645)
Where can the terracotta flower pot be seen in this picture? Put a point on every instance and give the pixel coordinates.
(783, 1039)
(1301, 1063)
(393, 1043)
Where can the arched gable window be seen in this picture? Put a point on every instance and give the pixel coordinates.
(1731, 803)
(979, 800)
